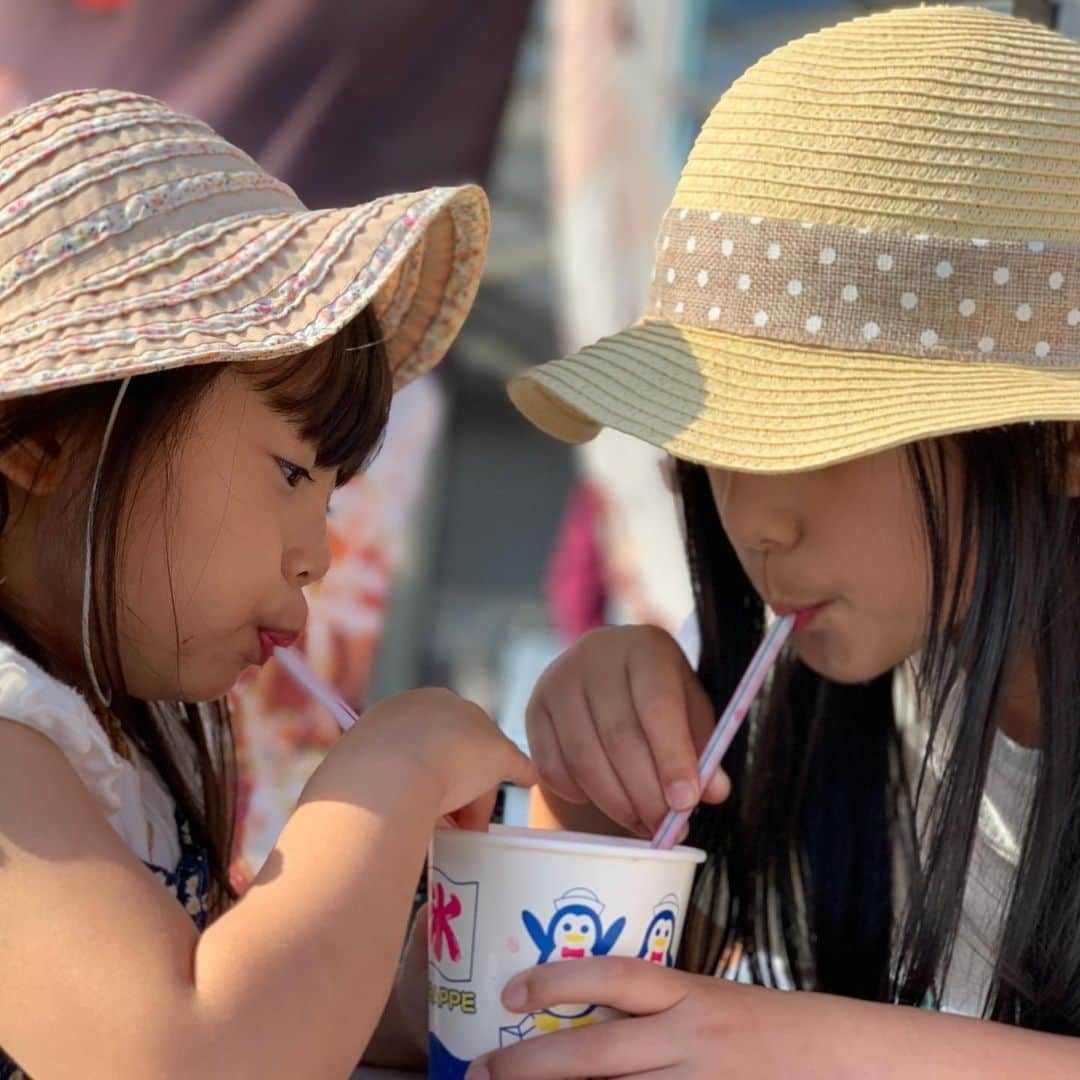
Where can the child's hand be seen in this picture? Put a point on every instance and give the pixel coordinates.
(618, 721)
(680, 1026)
(453, 754)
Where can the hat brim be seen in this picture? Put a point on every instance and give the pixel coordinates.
(261, 285)
(761, 406)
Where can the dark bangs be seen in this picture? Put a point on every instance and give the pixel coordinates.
(337, 394)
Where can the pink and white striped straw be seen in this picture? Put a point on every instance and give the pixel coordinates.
(727, 727)
(297, 668)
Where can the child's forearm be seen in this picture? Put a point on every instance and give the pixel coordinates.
(109, 975)
(298, 974)
(890, 1042)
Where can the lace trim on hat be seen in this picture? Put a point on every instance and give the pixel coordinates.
(118, 218)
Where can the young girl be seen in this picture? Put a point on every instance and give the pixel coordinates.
(190, 363)
(864, 350)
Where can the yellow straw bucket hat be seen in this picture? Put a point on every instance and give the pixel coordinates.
(876, 239)
(134, 239)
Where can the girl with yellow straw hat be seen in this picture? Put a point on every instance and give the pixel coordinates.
(190, 363)
(863, 349)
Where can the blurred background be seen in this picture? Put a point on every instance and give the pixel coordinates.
(474, 549)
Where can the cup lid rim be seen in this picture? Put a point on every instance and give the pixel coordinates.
(573, 843)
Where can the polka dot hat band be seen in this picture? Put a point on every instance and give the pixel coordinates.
(134, 239)
(876, 239)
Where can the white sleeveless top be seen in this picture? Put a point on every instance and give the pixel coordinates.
(130, 793)
(1003, 814)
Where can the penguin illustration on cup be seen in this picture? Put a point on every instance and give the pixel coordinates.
(575, 930)
(659, 942)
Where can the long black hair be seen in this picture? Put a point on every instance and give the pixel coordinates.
(800, 882)
(338, 396)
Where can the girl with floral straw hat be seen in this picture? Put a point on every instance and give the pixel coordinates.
(863, 349)
(190, 363)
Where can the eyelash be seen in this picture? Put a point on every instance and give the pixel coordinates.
(292, 472)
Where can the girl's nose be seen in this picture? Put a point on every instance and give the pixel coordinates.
(757, 512)
(308, 561)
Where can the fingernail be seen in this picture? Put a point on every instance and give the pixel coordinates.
(478, 1071)
(681, 795)
(515, 995)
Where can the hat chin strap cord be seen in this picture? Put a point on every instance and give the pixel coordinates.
(88, 566)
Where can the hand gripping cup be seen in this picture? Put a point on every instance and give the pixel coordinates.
(503, 901)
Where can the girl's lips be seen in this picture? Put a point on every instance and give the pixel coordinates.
(804, 616)
(269, 640)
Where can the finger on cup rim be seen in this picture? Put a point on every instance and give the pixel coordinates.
(520, 770)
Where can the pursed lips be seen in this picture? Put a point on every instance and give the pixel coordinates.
(804, 613)
(269, 640)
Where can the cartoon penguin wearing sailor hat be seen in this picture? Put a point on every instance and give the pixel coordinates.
(659, 942)
(575, 931)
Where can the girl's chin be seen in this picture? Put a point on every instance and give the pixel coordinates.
(198, 686)
(829, 656)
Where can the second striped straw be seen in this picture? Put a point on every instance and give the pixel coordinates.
(731, 718)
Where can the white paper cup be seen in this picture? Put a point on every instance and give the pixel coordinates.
(503, 901)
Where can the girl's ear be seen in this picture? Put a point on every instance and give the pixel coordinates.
(31, 466)
(1072, 480)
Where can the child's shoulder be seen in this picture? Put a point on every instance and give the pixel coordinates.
(128, 797)
(30, 696)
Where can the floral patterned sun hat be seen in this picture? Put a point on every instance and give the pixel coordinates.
(135, 239)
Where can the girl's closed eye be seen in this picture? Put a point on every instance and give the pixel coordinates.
(292, 472)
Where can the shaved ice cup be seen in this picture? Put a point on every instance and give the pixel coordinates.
(503, 901)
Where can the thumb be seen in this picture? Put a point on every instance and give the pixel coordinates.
(702, 724)
(701, 712)
(718, 788)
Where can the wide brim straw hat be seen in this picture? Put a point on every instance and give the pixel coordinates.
(134, 239)
(875, 240)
